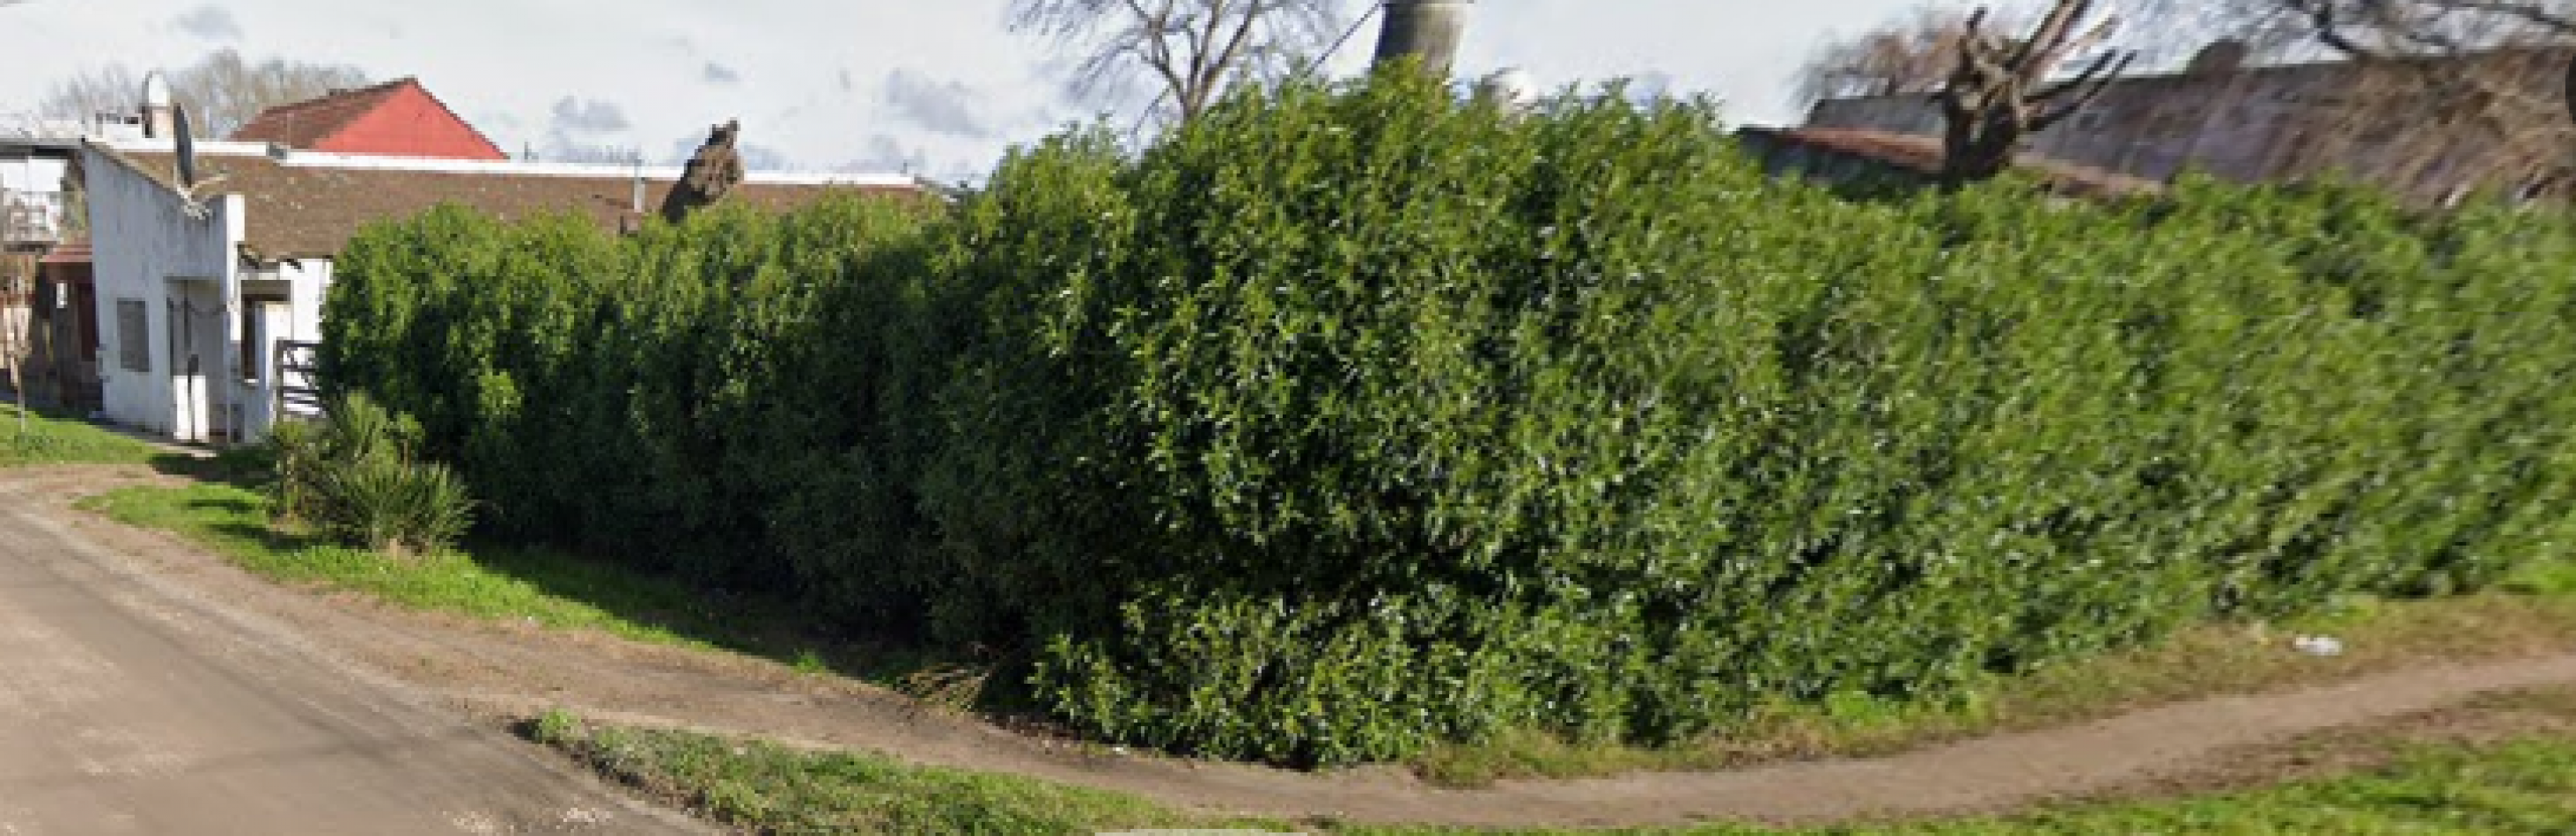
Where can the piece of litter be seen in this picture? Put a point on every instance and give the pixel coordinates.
(583, 815)
(2318, 645)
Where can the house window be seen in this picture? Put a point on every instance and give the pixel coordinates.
(133, 336)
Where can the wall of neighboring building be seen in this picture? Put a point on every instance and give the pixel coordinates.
(411, 123)
(17, 318)
(282, 304)
(2257, 125)
(162, 277)
(2149, 127)
(1912, 113)
(67, 328)
(31, 199)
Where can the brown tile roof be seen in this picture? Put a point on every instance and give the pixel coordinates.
(72, 252)
(306, 123)
(1922, 155)
(310, 211)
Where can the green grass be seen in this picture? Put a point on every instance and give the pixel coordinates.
(2531, 614)
(774, 789)
(2523, 785)
(518, 584)
(508, 583)
(52, 438)
(2534, 613)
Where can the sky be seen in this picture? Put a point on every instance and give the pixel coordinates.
(939, 88)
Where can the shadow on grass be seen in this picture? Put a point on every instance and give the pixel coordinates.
(761, 625)
(765, 626)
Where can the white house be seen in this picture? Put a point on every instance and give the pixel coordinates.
(199, 285)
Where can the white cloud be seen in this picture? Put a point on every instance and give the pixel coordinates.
(589, 117)
(210, 22)
(947, 108)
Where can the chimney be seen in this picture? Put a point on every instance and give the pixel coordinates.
(158, 121)
(1427, 29)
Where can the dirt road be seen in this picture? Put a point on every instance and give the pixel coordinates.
(129, 704)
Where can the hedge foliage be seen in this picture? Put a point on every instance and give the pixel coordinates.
(1350, 419)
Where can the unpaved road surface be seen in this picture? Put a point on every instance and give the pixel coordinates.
(500, 669)
(129, 704)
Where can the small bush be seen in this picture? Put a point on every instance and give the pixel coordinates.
(354, 476)
(397, 507)
(295, 464)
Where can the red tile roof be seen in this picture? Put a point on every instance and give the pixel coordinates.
(398, 117)
(1922, 155)
(306, 123)
(310, 211)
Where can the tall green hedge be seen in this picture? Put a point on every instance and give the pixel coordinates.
(1350, 419)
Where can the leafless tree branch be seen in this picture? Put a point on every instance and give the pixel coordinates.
(1995, 97)
(1192, 51)
(221, 91)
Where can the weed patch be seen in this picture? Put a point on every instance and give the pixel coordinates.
(52, 438)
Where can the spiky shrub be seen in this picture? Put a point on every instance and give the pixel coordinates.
(353, 474)
(295, 460)
(396, 507)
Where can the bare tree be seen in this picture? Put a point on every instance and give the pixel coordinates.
(221, 91)
(112, 88)
(1189, 50)
(1999, 92)
(1913, 53)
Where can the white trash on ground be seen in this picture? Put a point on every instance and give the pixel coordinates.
(2318, 645)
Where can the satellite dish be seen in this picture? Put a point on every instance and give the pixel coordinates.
(187, 148)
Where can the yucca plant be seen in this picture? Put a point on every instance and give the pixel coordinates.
(395, 507)
(353, 475)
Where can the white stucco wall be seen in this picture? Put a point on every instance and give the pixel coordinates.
(148, 247)
(299, 320)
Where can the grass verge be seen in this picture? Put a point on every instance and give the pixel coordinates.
(2533, 614)
(482, 580)
(768, 788)
(2503, 765)
(57, 438)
